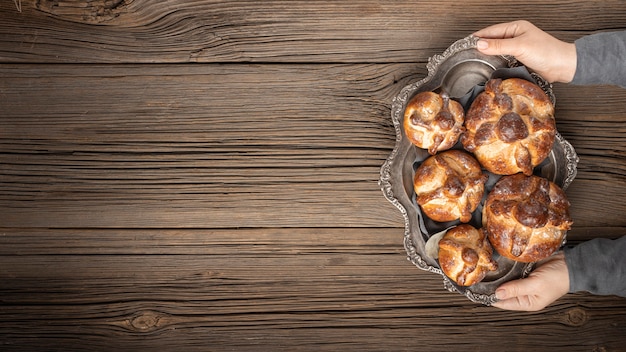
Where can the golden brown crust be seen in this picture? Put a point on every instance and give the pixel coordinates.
(465, 255)
(510, 126)
(449, 186)
(433, 121)
(526, 217)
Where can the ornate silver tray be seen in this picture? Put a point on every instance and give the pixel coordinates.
(460, 71)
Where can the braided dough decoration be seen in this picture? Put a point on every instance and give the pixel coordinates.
(449, 186)
(433, 121)
(526, 217)
(510, 126)
(465, 255)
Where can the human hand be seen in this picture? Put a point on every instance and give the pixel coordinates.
(553, 59)
(544, 285)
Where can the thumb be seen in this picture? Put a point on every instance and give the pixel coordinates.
(515, 288)
(517, 295)
(498, 46)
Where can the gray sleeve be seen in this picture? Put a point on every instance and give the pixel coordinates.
(598, 266)
(601, 59)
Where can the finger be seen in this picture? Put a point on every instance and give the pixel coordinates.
(524, 303)
(517, 295)
(516, 288)
(504, 30)
(499, 47)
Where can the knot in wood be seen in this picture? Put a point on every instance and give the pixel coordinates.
(84, 11)
(145, 321)
(576, 317)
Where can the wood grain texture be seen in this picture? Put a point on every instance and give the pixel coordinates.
(240, 146)
(259, 145)
(244, 241)
(272, 31)
(203, 175)
(280, 290)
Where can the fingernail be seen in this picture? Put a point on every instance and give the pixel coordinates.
(482, 44)
(500, 293)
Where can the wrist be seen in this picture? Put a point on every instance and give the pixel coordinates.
(567, 64)
(561, 266)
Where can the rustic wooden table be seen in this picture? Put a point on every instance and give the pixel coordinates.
(203, 175)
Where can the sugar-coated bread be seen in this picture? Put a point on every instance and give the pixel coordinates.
(449, 186)
(465, 255)
(526, 217)
(433, 121)
(510, 126)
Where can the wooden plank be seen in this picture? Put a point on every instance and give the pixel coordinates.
(218, 133)
(312, 298)
(246, 241)
(188, 146)
(273, 31)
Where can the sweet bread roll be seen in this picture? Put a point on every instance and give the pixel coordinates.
(465, 255)
(526, 217)
(433, 121)
(510, 126)
(449, 186)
